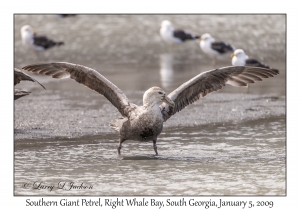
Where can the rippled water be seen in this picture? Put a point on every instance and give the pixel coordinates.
(247, 158)
(244, 159)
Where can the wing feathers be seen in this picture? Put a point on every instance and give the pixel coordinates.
(88, 77)
(235, 82)
(255, 77)
(210, 81)
(19, 75)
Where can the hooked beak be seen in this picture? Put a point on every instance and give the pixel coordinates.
(232, 55)
(168, 101)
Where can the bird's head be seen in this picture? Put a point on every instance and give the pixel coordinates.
(239, 53)
(27, 29)
(206, 38)
(156, 95)
(166, 24)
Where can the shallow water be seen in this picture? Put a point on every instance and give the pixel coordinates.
(242, 159)
(235, 157)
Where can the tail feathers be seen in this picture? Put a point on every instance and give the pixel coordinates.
(230, 48)
(117, 123)
(59, 43)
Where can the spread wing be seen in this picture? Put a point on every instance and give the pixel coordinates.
(210, 81)
(86, 76)
(19, 75)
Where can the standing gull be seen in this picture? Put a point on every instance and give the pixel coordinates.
(66, 15)
(240, 58)
(171, 36)
(212, 48)
(145, 123)
(19, 75)
(40, 43)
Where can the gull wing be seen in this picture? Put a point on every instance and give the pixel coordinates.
(45, 42)
(222, 47)
(183, 35)
(210, 81)
(254, 62)
(86, 76)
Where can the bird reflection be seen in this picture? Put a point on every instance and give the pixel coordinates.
(166, 69)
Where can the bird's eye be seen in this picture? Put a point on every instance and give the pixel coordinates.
(160, 92)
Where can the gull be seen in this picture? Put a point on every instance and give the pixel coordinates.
(145, 123)
(240, 58)
(39, 43)
(66, 15)
(19, 75)
(214, 48)
(171, 36)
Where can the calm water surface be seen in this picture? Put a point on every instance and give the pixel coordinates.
(220, 159)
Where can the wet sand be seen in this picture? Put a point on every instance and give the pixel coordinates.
(62, 116)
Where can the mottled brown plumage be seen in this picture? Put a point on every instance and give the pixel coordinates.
(145, 123)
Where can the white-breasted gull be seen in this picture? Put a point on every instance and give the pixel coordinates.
(214, 48)
(240, 58)
(174, 36)
(36, 42)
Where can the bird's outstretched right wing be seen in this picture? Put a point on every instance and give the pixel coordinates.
(19, 75)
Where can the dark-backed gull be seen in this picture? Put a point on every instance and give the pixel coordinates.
(19, 75)
(31, 40)
(145, 123)
(240, 58)
(66, 15)
(212, 48)
(171, 36)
